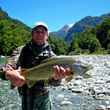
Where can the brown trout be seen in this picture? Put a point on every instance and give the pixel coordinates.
(44, 70)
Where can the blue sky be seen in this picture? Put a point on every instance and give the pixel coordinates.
(56, 13)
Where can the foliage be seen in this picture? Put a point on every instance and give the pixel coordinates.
(92, 40)
(59, 46)
(85, 42)
(89, 41)
(12, 35)
(103, 33)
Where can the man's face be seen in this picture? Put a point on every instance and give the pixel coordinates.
(40, 35)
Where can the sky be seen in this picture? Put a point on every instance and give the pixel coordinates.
(55, 13)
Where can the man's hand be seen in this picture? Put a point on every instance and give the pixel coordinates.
(14, 76)
(60, 72)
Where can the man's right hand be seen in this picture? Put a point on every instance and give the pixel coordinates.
(60, 72)
(14, 76)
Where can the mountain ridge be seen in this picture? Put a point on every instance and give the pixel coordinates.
(66, 32)
(81, 25)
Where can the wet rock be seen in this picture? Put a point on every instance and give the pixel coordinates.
(101, 107)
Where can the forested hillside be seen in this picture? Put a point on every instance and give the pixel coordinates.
(13, 33)
(92, 40)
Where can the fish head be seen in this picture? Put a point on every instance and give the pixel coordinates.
(80, 68)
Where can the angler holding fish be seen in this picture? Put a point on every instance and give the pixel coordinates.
(38, 67)
(35, 96)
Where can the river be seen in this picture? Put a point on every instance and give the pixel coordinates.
(89, 95)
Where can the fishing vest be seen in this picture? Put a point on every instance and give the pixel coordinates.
(32, 55)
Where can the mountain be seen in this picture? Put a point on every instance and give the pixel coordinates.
(81, 25)
(67, 32)
(13, 33)
(62, 32)
(4, 16)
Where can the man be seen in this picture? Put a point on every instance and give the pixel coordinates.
(38, 49)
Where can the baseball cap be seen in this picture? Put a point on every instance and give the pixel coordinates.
(40, 24)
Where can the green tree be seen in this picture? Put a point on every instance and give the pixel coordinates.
(103, 33)
(89, 41)
(59, 46)
(85, 42)
(74, 46)
(12, 35)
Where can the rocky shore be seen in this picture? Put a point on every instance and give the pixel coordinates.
(79, 94)
(86, 93)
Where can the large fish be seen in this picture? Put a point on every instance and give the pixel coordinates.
(44, 70)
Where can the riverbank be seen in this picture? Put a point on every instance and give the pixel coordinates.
(78, 94)
(86, 94)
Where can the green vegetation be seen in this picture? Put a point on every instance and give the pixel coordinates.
(58, 45)
(92, 40)
(14, 33)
